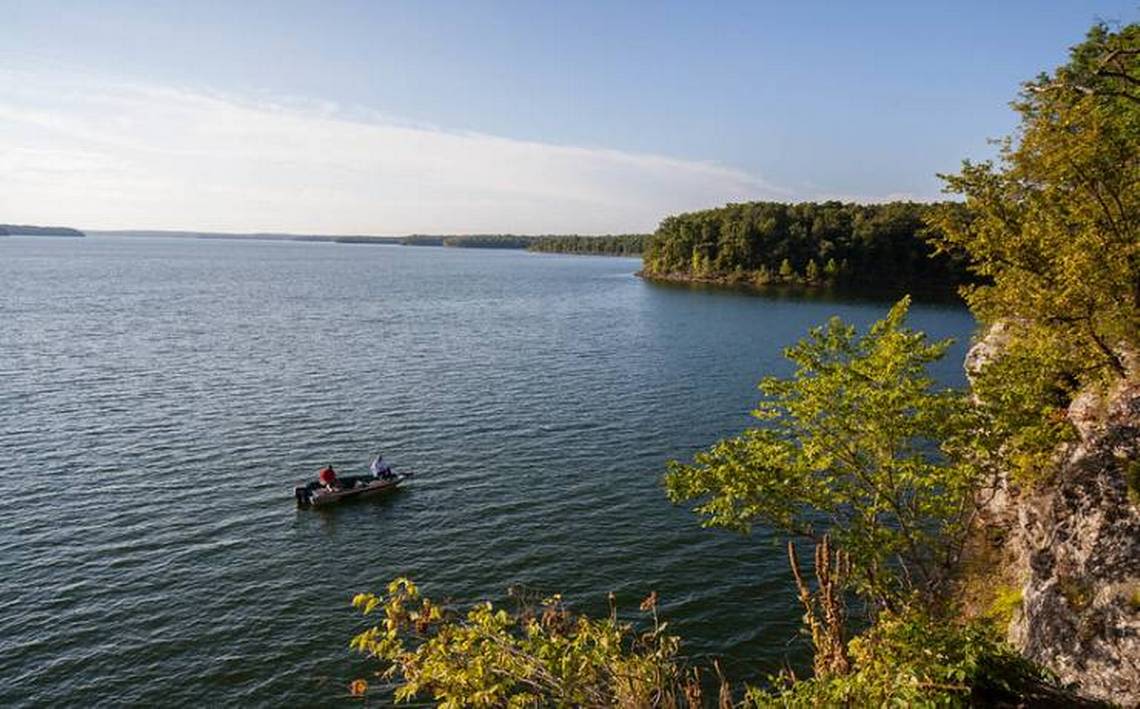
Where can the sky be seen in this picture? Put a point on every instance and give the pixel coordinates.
(499, 117)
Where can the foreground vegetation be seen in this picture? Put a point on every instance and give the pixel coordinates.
(859, 455)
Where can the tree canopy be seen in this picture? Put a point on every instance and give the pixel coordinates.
(1053, 231)
(812, 243)
(609, 245)
(1054, 225)
(853, 445)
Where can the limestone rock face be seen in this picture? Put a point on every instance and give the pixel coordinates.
(1075, 543)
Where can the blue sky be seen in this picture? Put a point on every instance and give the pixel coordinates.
(498, 116)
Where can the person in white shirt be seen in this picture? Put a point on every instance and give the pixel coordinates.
(379, 468)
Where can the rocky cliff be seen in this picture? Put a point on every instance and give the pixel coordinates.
(1072, 545)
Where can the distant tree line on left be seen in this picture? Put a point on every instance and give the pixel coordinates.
(28, 230)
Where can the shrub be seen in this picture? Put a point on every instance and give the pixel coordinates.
(858, 444)
(913, 659)
(546, 656)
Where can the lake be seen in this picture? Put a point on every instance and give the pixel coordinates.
(160, 397)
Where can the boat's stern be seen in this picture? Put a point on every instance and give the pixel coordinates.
(303, 496)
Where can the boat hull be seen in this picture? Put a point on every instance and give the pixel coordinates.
(353, 488)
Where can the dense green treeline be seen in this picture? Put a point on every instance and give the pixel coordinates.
(609, 245)
(470, 241)
(489, 241)
(811, 243)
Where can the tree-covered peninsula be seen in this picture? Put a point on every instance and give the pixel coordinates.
(810, 243)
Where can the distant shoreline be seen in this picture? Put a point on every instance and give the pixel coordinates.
(548, 243)
(927, 292)
(176, 234)
(29, 230)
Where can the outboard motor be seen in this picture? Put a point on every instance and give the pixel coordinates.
(301, 492)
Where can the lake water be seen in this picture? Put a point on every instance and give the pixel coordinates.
(159, 398)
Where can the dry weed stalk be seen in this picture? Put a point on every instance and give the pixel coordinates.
(825, 612)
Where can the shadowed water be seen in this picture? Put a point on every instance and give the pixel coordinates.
(158, 399)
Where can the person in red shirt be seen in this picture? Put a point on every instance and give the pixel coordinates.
(327, 477)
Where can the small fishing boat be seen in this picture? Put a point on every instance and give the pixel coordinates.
(317, 494)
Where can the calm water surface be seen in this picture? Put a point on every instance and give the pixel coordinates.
(158, 398)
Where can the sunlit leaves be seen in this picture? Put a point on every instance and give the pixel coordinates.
(849, 445)
(913, 659)
(488, 657)
(1055, 228)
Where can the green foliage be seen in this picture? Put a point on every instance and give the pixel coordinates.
(875, 245)
(700, 264)
(1022, 397)
(850, 446)
(915, 660)
(489, 241)
(1053, 230)
(1007, 601)
(545, 657)
(609, 245)
(811, 271)
(1132, 481)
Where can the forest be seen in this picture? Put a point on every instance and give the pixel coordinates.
(608, 245)
(810, 243)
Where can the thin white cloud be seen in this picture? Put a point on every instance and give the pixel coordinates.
(101, 154)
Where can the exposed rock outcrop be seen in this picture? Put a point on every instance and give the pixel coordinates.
(1074, 544)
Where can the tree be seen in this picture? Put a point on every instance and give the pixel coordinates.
(831, 269)
(856, 445)
(1055, 225)
(811, 272)
(787, 273)
(1054, 230)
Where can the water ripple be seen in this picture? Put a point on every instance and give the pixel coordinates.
(159, 398)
